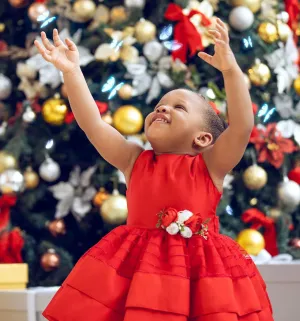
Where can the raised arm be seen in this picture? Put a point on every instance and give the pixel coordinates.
(108, 141)
(230, 146)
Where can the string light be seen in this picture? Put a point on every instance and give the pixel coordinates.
(111, 87)
(172, 45)
(266, 112)
(229, 210)
(166, 33)
(47, 22)
(49, 144)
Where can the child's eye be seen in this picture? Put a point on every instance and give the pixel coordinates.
(180, 107)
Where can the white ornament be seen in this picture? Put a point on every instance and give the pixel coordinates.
(186, 232)
(241, 18)
(184, 216)
(5, 87)
(153, 50)
(11, 181)
(29, 115)
(3, 127)
(140, 4)
(172, 229)
(49, 170)
(289, 194)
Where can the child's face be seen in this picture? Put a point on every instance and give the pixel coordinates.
(175, 122)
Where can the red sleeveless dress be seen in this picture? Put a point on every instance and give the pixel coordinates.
(139, 272)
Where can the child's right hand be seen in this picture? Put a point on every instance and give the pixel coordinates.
(64, 56)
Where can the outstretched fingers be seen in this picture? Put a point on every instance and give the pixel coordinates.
(48, 45)
(222, 29)
(71, 45)
(56, 39)
(44, 52)
(206, 57)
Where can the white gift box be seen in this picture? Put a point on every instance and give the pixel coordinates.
(283, 282)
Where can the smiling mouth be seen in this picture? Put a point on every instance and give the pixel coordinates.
(160, 119)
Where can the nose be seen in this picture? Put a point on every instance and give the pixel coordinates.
(162, 109)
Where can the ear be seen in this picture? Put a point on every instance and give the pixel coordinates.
(203, 139)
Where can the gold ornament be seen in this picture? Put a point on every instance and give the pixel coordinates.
(84, 9)
(275, 213)
(128, 120)
(118, 15)
(129, 54)
(259, 74)
(253, 201)
(251, 241)
(50, 260)
(145, 31)
(125, 92)
(7, 161)
(107, 118)
(100, 197)
(31, 178)
(105, 52)
(284, 31)
(36, 10)
(297, 85)
(255, 177)
(268, 32)
(54, 111)
(253, 5)
(18, 3)
(114, 209)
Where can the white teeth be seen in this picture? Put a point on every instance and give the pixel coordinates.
(161, 119)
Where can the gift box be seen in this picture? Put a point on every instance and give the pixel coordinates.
(13, 276)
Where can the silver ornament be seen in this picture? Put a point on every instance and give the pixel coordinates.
(241, 18)
(11, 181)
(5, 87)
(289, 194)
(49, 170)
(3, 127)
(140, 4)
(29, 115)
(153, 50)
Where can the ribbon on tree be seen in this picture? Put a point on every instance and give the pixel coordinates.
(11, 245)
(257, 219)
(292, 7)
(185, 33)
(6, 202)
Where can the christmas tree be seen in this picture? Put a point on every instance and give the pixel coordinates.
(59, 197)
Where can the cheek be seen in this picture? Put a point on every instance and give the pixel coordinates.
(147, 121)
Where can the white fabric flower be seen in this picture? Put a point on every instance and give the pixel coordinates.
(186, 232)
(184, 216)
(172, 229)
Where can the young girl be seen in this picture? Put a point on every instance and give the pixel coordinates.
(169, 263)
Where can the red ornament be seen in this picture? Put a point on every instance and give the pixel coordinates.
(258, 220)
(294, 175)
(185, 33)
(270, 145)
(254, 108)
(6, 202)
(11, 245)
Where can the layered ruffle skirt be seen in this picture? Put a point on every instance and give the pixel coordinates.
(137, 274)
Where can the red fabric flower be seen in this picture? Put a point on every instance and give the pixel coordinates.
(11, 245)
(169, 216)
(194, 223)
(294, 175)
(271, 146)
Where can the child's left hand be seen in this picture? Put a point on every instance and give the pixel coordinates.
(223, 59)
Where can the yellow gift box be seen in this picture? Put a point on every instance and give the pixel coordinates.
(13, 276)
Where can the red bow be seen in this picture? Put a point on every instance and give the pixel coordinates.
(258, 220)
(185, 33)
(292, 7)
(6, 202)
(11, 245)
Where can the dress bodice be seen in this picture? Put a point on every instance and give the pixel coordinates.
(161, 181)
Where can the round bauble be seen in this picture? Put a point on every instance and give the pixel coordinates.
(54, 111)
(49, 170)
(5, 87)
(50, 260)
(129, 54)
(268, 32)
(100, 197)
(118, 15)
(241, 18)
(18, 3)
(255, 177)
(128, 120)
(259, 74)
(296, 85)
(7, 161)
(284, 31)
(140, 4)
(251, 241)
(11, 181)
(153, 50)
(114, 209)
(36, 10)
(125, 92)
(145, 31)
(29, 115)
(289, 194)
(84, 9)
(57, 227)
(31, 178)
(253, 5)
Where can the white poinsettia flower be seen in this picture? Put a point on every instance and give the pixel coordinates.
(286, 128)
(186, 232)
(172, 229)
(184, 216)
